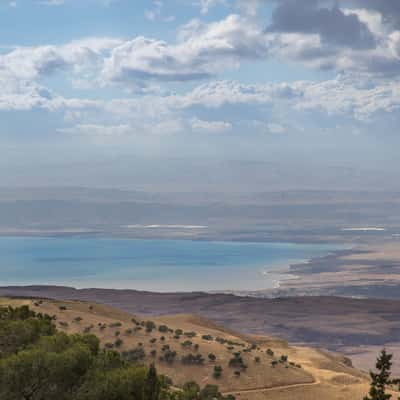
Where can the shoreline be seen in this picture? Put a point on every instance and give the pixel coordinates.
(243, 268)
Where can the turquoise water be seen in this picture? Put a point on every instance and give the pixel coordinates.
(158, 265)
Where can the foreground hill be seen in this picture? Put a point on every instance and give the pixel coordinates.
(188, 347)
(358, 328)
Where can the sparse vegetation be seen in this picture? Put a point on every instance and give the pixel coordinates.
(192, 359)
(43, 364)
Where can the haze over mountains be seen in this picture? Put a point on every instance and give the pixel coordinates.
(270, 215)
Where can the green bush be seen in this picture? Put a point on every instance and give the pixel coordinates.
(217, 372)
(193, 359)
(163, 328)
(134, 355)
(39, 363)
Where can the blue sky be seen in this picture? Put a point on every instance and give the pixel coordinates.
(224, 79)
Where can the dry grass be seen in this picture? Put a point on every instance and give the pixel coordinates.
(322, 375)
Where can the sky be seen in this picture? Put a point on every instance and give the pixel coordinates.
(93, 88)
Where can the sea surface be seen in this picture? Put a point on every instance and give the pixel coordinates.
(155, 265)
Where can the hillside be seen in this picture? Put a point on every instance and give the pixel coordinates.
(358, 328)
(270, 368)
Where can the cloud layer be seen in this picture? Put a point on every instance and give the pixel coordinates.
(358, 41)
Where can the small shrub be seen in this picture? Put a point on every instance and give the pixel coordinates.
(270, 352)
(169, 356)
(88, 329)
(165, 347)
(192, 359)
(134, 355)
(207, 337)
(217, 372)
(237, 362)
(118, 343)
(283, 359)
(150, 325)
(163, 328)
(212, 357)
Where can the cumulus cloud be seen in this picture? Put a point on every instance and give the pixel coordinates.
(389, 9)
(30, 63)
(202, 51)
(331, 24)
(359, 42)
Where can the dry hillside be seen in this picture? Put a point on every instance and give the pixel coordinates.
(269, 367)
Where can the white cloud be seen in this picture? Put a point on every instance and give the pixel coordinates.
(202, 51)
(51, 2)
(97, 130)
(30, 63)
(206, 5)
(210, 126)
(155, 13)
